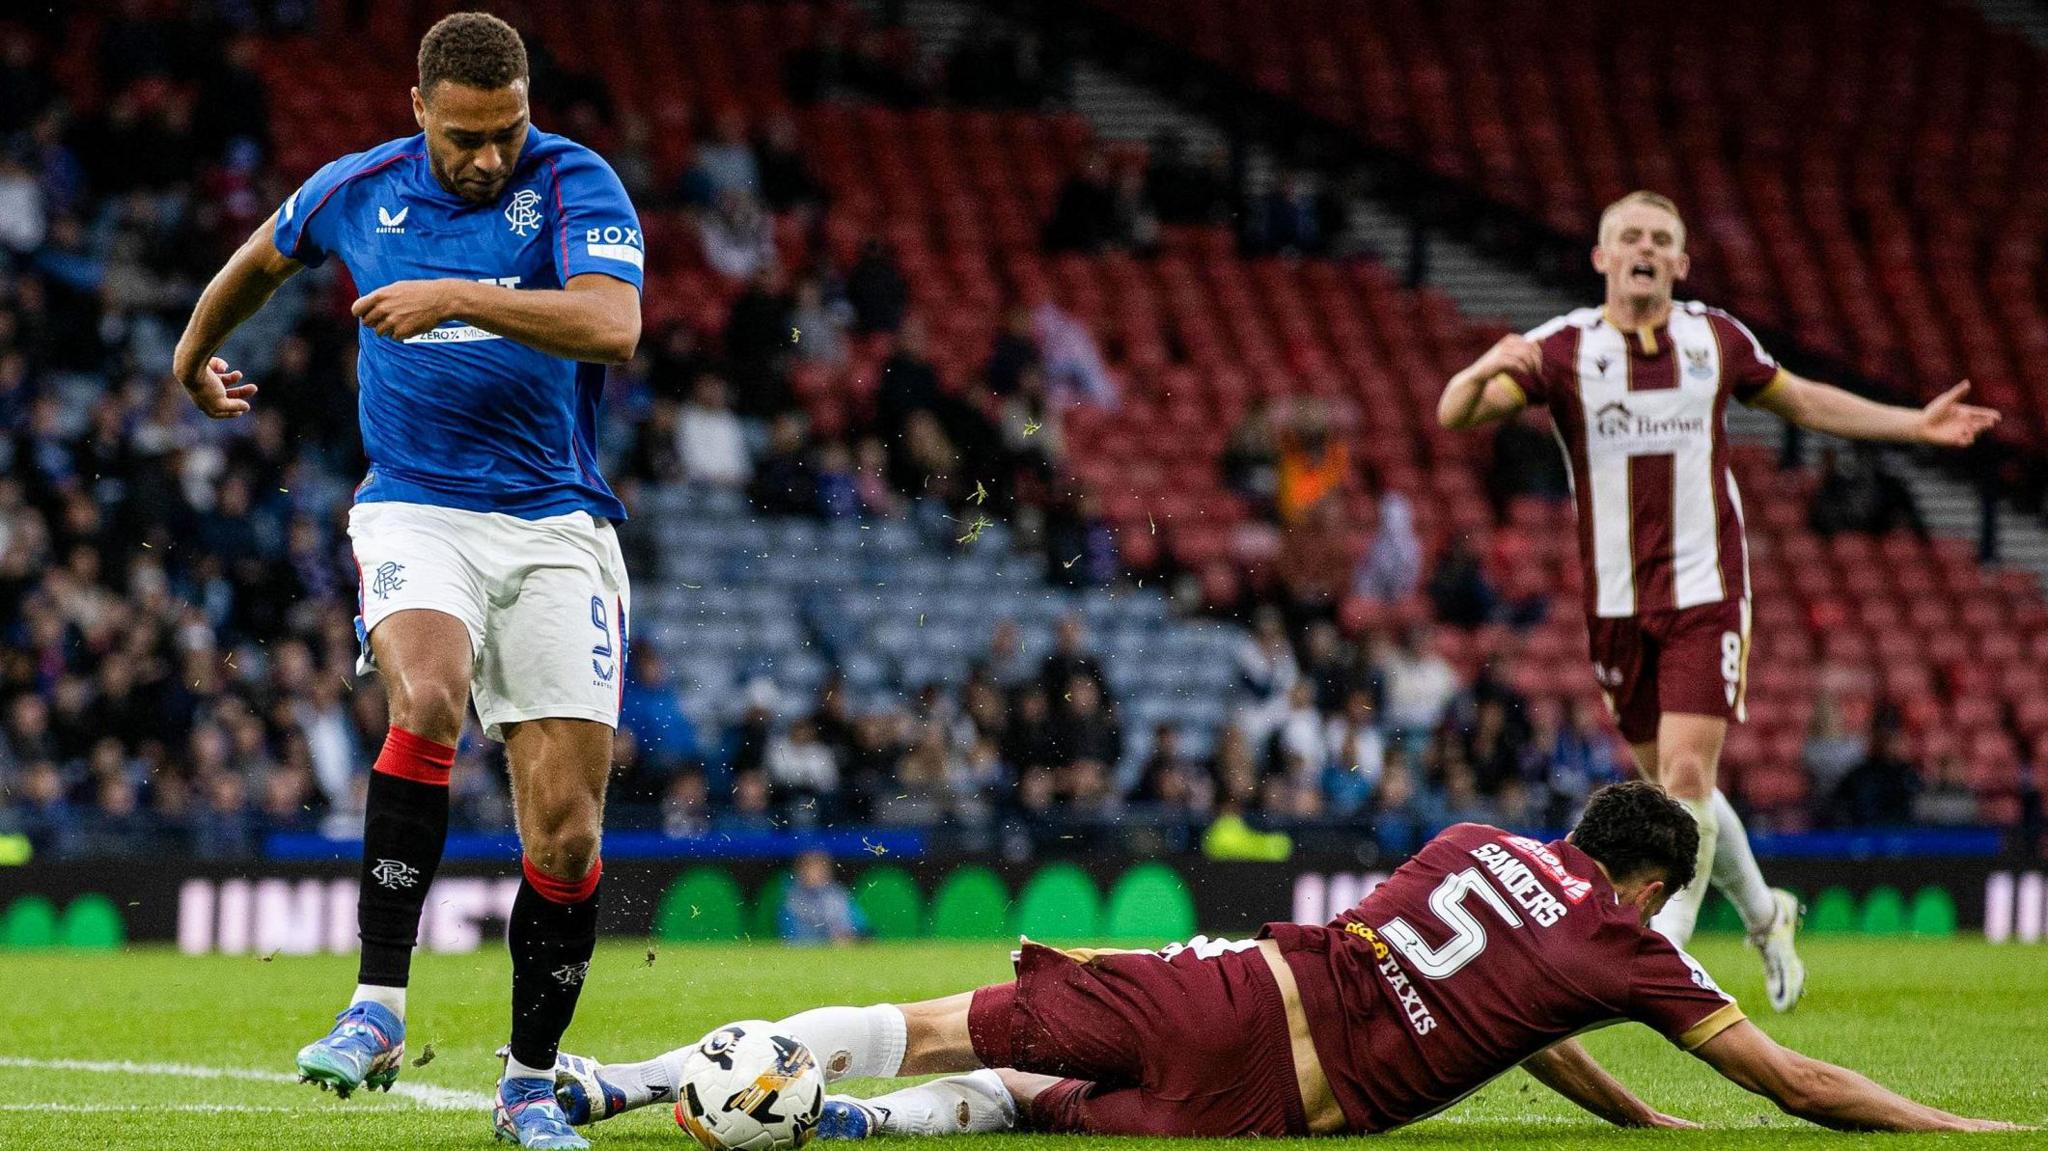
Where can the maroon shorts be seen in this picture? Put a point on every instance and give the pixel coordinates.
(1693, 661)
(1145, 1043)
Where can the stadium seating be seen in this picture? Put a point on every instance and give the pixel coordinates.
(961, 193)
(1868, 182)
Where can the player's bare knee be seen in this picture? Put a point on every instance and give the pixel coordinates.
(428, 706)
(1687, 775)
(568, 855)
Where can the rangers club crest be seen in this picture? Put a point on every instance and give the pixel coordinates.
(523, 213)
(395, 873)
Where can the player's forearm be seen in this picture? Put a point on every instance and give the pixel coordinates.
(1568, 1069)
(587, 326)
(1833, 411)
(1840, 1098)
(1459, 406)
(238, 291)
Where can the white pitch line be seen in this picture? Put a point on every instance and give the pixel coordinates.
(426, 1095)
(154, 1109)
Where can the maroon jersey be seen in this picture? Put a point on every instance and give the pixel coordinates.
(1640, 417)
(1476, 954)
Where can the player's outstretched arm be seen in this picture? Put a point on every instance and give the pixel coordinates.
(1946, 422)
(1483, 392)
(238, 291)
(594, 319)
(1822, 1092)
(1568, 1069)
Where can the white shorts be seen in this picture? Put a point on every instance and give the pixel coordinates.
(545, 601)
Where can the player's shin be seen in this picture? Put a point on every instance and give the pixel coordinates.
(405, 826)
(1736, 875)
(1681, 913)
(852, 1042)
(553, 932)
(972, 1104)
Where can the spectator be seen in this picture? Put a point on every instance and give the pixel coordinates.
(1314, 561)
(1170, 782)
(1187, 190)
(1313, 464)
(876, 291)
(786, 182)
(1357, 755)
(802, 771)
(783, 483)
(1084, 218)
(709, 438)
(738, 237)
(820, 327)
(1392, 567)
(1525, 462)
(1071, 658)
(1458, 588)
(758, 344)
(1832, 749)
(651, 710)
(1289, 220)
(1074, 369)
(1251, 465)
(1266, 675)
(1581, 756)
(1947, 800)
(1879, 791)
(1419, 686)
(1014, 352)
(725, 163)
(1087, 740)
(818, 908)
(1862, 494)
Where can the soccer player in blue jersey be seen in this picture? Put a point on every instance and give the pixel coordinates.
(500, 268)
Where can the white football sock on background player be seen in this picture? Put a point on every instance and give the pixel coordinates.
(1682, 912)
(1736, 875)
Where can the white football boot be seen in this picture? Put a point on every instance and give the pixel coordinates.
(1784, 974)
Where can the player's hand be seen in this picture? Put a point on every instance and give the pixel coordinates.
(1950, 423)
(1512, 354)
(218, 392)
(1659, 1119)
(403, 310)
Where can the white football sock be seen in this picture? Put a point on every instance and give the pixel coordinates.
(1682, 912)
(1736, 875)
(392, 997)
(656, 1080)
(514, 1069)
(852, 1042)
(971, 1104)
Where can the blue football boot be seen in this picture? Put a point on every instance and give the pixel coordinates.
(583, 1092)
(363, 1050)
(528, 1116)
(844, 1117)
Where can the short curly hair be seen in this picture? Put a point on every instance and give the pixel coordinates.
(473, 49)
(1634, 827)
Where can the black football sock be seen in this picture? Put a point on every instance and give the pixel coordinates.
(554, 931)
(405, 826)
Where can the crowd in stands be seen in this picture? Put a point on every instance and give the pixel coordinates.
(179, 660)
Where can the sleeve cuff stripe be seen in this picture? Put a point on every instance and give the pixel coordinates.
(1728, 1016)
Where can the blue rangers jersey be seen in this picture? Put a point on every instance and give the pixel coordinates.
(459, 417)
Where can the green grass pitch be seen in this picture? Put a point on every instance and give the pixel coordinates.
(84, 1037)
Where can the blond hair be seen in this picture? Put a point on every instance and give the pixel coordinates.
(1649, 200)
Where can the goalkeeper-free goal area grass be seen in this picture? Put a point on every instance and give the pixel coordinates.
(147, 1048)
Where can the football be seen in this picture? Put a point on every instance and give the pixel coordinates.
(748, 1088)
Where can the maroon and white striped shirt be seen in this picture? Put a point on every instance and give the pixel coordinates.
(1640, 417)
